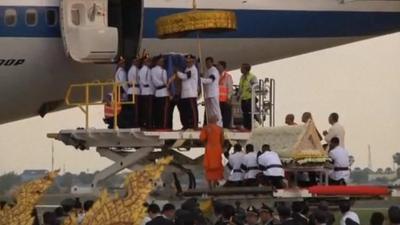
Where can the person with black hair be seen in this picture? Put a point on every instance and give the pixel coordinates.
(252, 215)
(289, 120)
(320, 217)
(297, 213)
(168, 211)
(266, 216)
(161, 96)
(324, 207)
(228, 211)
(247, 80)
(377, 218)
(225, 94)
(394, 215)
(154, 212)
(271, 166)
(285, 215)
(336, 130)
(234, 164)
(210, 82)
(341, 162)
(250, 166)
(348, 217)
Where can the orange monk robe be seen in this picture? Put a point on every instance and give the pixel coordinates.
(213, 137)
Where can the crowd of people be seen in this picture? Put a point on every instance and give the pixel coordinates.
(156, 91)
(254, 167)
(191, 212)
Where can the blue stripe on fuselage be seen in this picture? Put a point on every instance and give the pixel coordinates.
(251, 24)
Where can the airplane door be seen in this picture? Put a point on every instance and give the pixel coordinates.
(86, 35)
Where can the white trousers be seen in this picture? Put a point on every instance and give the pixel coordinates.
(213, 109)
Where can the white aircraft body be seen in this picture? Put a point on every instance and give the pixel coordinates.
(46, 45)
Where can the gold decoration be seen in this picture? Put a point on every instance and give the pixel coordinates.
(27, 196)
(128, 210)
(178, 24)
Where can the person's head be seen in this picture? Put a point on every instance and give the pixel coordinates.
(209, 62)
(249, 148)
(49, 218)
(245, 68)
(306, 117)
(88, 205)
(251, 215)
(228, 211)
(334, 142)
(237, 148)
(320, 217)
(333, 118)
(168, 210)
(394, 215)
(159, 61)
(344, 206)
(221, 66)
(146, 61)
(190, 60)
(289, 119)
(265, 148)
(324, 206)
(121, 62)
(377, 218)
(266, 213)
(153, 210)
(283, 212)
(298, 207)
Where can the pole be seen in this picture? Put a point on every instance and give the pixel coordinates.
(52, 155)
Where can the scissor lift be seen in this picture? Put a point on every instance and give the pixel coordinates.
(130, 147)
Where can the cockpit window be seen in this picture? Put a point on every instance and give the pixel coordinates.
(51, 17)
(10, 17)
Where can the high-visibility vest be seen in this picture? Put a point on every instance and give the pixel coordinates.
(109, 110)
(223, 88)
(245, 86)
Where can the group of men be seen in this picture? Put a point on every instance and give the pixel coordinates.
(254, 168)
(298, 213)
(156, 93)
(334, 138)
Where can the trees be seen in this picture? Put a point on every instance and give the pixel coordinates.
(396, 158)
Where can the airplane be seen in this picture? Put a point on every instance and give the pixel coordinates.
(46, 45)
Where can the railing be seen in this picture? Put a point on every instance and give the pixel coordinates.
(91, 94)
(263, 102)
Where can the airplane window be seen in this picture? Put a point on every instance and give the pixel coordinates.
(51, 17)
(31, 17)
(76, 20)
(10, 17)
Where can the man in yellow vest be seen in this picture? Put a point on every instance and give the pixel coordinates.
(225, 94)
(246, 82)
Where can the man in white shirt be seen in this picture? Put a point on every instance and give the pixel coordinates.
(349, 217)
(336, 130)
(189, 88)
(271, 166)
(146, 95)
(121, 79)
(341, 162)
(133, 93)
(250, 166)
(211, 91)
(234, 164)
(161, 100)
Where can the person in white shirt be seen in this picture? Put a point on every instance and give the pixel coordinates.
(271, 166)
(133, 93)
(189, 91)
(336, 130)
(161, 99)
(234, 164)
(211, 91)
(121, 77)
(250, 166)
(348, 217)
(146, 95)
(341, 162)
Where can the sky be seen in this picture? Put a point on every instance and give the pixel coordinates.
(360, 81)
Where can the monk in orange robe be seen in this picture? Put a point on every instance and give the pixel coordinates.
(212, 136)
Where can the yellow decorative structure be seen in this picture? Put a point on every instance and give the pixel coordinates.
(27, 196)
(178, 24)
(128, 210)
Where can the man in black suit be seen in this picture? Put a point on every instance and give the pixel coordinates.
(154, 212)
(297, 215)
(284, 215)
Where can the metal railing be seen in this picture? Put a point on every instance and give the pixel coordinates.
(263, 102)
(91, 94)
